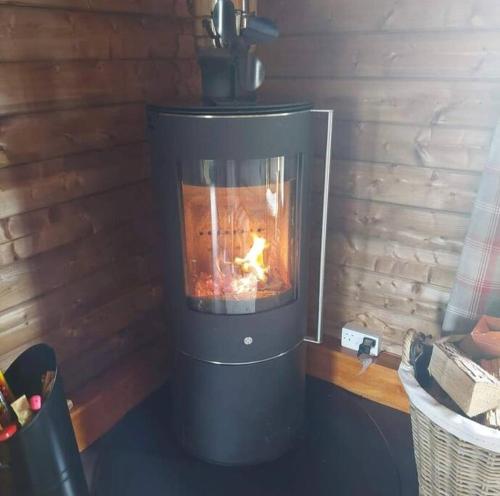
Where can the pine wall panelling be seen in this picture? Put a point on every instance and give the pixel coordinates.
(79, 262)
(416, 91)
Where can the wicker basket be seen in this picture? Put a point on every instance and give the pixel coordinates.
(455, 456)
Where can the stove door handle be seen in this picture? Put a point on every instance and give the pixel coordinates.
(318, 338)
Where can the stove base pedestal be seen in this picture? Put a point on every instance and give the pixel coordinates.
(239, 414)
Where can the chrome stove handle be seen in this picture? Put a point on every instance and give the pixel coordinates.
(324, 227)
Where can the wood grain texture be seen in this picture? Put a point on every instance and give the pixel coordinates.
(432, 188)
(30, 34)
(392, 324)
(41, 230)
(327, 16)
(76, 338)
(393, 293)
(60, 314)
(433, 146)
(41, 184)
(80, 264)
(408, 150)
(380, 382)
(28, 87)
(437, 55)
(413, 186)
(105, 399)
(414, 89)
(161, 7)
(468, 385)
(123, 331)
(393, 258)
(417, 227)
(403, 101)
(26, 279)
(61, 133)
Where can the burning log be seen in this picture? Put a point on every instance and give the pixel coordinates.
(253, 261)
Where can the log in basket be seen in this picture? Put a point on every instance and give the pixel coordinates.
(455, 456)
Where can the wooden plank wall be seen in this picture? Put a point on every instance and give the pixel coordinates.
(415, 86)
(78, 266)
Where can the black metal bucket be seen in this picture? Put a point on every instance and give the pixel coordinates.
(42, 459)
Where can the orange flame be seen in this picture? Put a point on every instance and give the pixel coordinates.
(253, 261)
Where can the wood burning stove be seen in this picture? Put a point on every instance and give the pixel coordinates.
(233, 185)
(233, 181)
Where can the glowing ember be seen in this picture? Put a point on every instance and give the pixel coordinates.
(244, 285)
(245, 278)
(253, 262)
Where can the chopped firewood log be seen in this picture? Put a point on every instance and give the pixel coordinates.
(469, 348)
(492, 366)
(492, 417)
(473, 389)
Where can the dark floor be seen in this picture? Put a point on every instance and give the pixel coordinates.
(350, 447)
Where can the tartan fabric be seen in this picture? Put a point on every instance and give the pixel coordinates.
(477, 285)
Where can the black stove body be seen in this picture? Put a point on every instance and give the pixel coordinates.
(233, 181)
(233, 185)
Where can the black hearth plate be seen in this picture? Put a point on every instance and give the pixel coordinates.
(349, 447)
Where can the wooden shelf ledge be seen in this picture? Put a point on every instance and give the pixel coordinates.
(379, 383)
(102, 402)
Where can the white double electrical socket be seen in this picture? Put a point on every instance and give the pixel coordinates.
(353, 335)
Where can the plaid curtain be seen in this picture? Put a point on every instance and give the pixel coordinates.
(477, 285)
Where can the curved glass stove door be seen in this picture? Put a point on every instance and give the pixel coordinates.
(240, 233)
